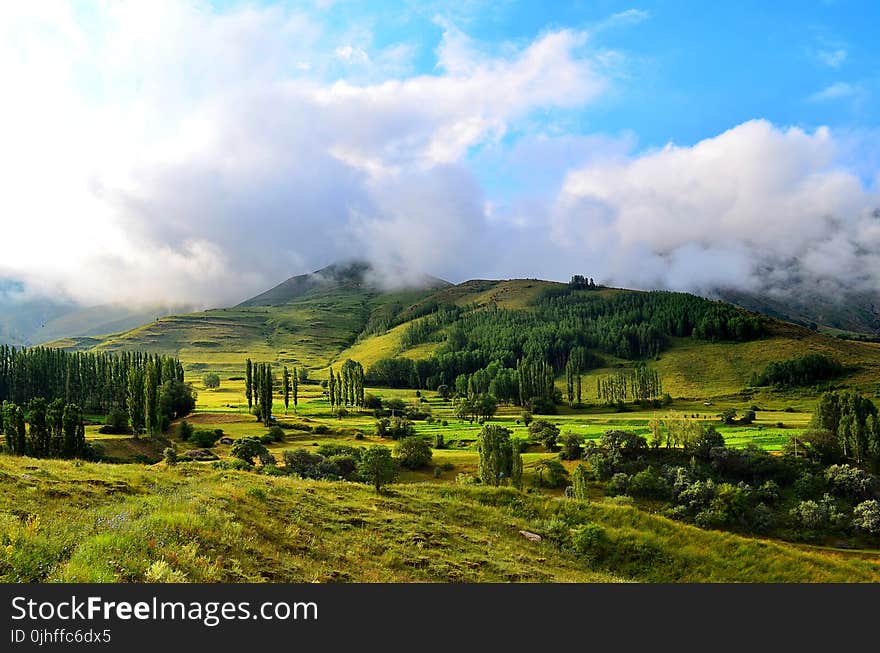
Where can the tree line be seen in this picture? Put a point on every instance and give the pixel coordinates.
(347, 387)
(95, 381)
(804, 370)
(639, 384)
(44, 429)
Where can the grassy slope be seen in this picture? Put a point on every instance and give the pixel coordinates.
(326, 327)
(93, 522)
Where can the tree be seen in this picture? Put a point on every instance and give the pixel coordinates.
(526, 417)
(496, 454)
(74, 432)
(580, 483)
(38, 432)
(413, 453)
(571, 447)
(377, 467)
(295, 389)
(14, 428)
(135, 400)
(545, 432)
(249, 384)
(211, 380)
(516, 467)
(285, 387)
(247, 449)
(728, 415)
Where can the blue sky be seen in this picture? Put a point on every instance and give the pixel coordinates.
(687, 145)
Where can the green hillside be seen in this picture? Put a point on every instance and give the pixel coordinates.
(322, 319)
(61, 521)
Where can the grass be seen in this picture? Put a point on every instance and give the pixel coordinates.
(63, 521)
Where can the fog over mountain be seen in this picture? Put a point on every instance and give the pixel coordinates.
(246, 150)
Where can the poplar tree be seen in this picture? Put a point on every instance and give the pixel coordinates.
(248, 384)
(285, 383)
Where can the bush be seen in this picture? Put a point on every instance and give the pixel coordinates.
(394, 428)
(170, 455)
(571, 447)
(204, 438)
(377, 467)
(551, 474)
(702, 443)
(748, 417)
(413, 453)
(866, 517)
(850, 482)
(590, 540)
(330, 450)
(372, 402)
(234, 464)
(211, 380)
(247, 449)
(817, 515)
(810, 486)
(346, 465)
(276, 433)
(545, 432)
(184, 430)
(526, 417)
(439, 441)
(466, 479)
(321, 429)
(649, 484)
(619, 484)
(116, 422)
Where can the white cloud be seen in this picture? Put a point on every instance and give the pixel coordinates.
(833, 58)
(756, 207)
(836, 91)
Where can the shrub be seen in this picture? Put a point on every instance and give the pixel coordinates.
(184, 430)
(372, 402)
(413, 453)
(377, 467)
(276, 433)
(247, 449)
(394, 428)
(526, 417)
(116, 422)
(748, 417)
(590, 540)
(211, 380)
(545, 432)
(809, 486)
(170, 455)
(762, 519)
(817, 515)
(551, 474)
(650, 484)
(204, 438)
(866, 517)
(330, 450)
(580, 484)
(444, 423)
(466, 479)
(346, 465)
(850, 482)
(571, 447)
(439, 441)
(618, 484)
(233, 463)
(271, 470)
(265, 438)
(321, 429)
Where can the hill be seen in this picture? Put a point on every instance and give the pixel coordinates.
(323, 318)
(129, 523)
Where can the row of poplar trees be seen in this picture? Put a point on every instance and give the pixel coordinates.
(54, 429)
(347, 387)
(260, 386)
(641, 383)
(97, 382)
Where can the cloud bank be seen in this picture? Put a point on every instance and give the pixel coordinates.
(173, 152)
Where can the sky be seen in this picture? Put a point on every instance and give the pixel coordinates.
(200, 152)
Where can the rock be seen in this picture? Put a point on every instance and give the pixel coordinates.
(200, 454)
(531, 537)
(226, 440)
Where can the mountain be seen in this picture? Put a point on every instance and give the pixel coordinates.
(351, 275)
(849, 312)
(320, 319)
(28, 321)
